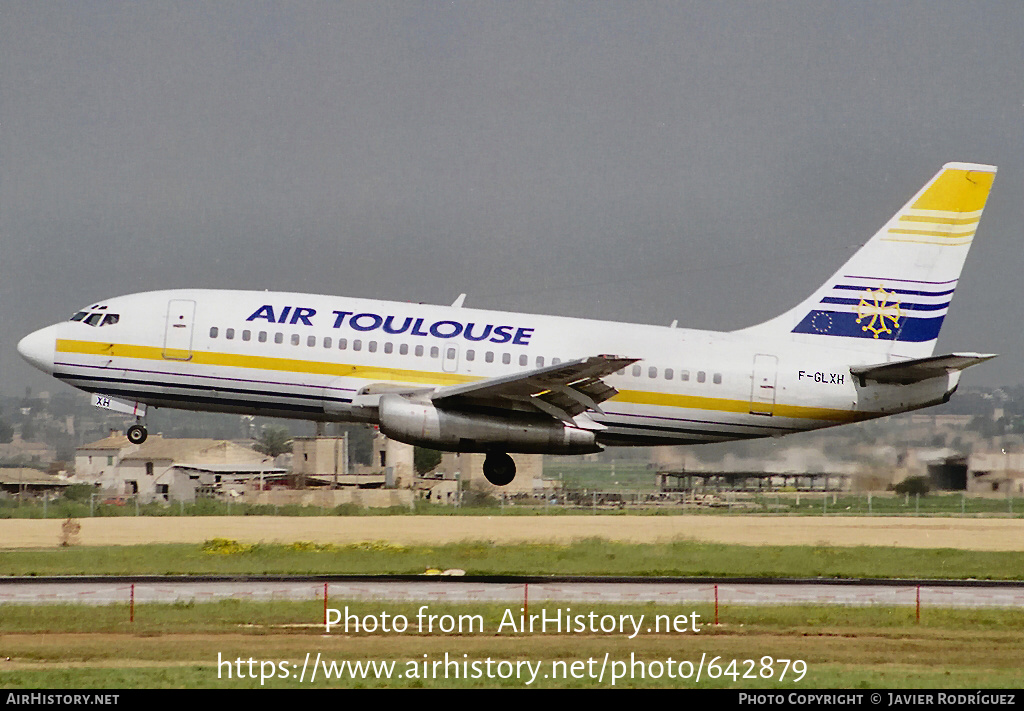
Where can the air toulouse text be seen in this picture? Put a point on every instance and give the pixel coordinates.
(395, 325)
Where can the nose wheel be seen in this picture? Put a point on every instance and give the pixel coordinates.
(137, 434)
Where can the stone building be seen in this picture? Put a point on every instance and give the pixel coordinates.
(171, 469)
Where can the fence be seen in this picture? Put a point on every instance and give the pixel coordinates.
(679, 503)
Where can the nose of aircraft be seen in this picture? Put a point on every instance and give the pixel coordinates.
(38, 348)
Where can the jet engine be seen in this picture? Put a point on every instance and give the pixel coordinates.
(423, 424)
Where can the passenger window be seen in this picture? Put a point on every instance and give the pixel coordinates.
(506, 358)
(262, 337)
(310, 341)
(246, 335)
(403, 349)
(470, 354)
(389, 347)
(668, 373)
(556, 361)
(435, 351)
(684, 375)
(357, 345)
(701, 377)
(342, 344)
(295, 339)
(451, 354)
(419, 351)
(652, 372)
(540, 361)
(213, 331)
(489, 357)
(718, 378)
(328, 342)
(278, 338)
(524, 359)
(372, 346)
(636, 371)
(229, 334)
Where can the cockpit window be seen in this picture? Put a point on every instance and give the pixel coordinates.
(96, 316)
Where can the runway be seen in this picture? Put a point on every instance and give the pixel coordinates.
(731, 591)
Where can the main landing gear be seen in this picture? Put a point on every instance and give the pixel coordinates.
(499, 468)
(137, 433)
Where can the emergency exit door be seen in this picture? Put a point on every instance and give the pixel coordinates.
(450, 358)
(762, 388)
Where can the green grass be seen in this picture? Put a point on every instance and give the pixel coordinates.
(615, 493)
(179, 646)
(589, 557)
(61, 508)
(231, 616)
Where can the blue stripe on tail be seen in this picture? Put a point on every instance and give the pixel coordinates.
(837, 323)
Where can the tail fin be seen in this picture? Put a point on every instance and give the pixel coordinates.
(892, 295)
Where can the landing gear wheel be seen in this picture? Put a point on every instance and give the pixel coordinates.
(137, 434)
(499, 468)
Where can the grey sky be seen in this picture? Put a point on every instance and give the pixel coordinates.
(711, 162)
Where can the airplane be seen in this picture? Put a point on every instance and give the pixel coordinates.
(468, 380)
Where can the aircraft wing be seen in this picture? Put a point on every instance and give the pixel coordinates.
(906, 372)
(563, 391)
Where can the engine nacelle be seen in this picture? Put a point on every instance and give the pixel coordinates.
(422, 424)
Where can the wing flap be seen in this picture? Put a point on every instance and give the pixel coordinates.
(912, 371)
(563, 391)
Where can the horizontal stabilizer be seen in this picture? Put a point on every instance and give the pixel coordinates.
(912, 371)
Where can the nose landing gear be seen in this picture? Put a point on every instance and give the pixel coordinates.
(137, 433)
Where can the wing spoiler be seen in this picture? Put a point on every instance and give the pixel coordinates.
(565, 391)
(905, 372)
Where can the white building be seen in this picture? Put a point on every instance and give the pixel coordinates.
(168, 469)
(996, 473)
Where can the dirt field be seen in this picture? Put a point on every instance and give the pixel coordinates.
(988, 534)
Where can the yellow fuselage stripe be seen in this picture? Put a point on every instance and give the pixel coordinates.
(419, 377)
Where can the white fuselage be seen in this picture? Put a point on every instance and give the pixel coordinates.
(306, 356)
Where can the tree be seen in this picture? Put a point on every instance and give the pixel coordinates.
(912, 485)
(425, 459)
(274, 441)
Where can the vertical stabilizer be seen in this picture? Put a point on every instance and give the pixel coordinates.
(893, 294)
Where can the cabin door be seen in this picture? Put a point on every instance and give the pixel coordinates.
(181, 315)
